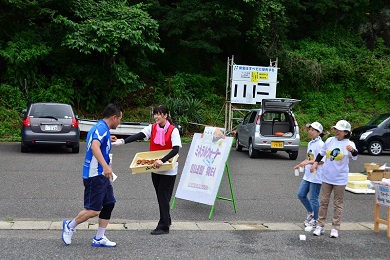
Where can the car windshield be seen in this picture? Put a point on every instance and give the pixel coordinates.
(272, 117)
(378, 120)
(51, 111)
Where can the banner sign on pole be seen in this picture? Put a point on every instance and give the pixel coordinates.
(204, 166)
(251, 84)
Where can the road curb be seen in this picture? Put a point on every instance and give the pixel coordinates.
(178, 225)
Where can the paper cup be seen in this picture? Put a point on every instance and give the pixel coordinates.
(313, 174)
(302, 237)
(113, 177)
(301, 169)
(296, 172)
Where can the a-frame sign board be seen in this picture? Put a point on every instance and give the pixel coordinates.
(203, 170)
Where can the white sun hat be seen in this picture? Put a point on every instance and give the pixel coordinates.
(343, 125)
(317, 126)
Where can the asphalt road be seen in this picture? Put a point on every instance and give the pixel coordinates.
(46, 184)
(233, 245)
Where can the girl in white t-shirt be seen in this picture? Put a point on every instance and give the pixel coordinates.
(337, 150)
(311, 182)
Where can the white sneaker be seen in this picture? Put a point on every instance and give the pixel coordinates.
(318, 231)
(67, 232)
(334, 233)
(309, 217)
(311, 223)
(102, 242)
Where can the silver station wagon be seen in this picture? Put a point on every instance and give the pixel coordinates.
(53, 124)
(271, 128)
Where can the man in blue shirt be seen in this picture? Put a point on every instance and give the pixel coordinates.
(99, 197)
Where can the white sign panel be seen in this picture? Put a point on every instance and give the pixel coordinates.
(203, 169)
(251, 84)
(382, 193)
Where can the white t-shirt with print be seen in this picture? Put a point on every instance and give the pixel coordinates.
(176, 141)
(314, 148)
(336, 167)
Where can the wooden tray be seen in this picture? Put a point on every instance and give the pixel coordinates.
(136, 168)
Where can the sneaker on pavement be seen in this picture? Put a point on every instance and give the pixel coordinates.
(334, 233)
(318, 231)
(102, 242)
(311, 223)
(309, 217)
(67, 232)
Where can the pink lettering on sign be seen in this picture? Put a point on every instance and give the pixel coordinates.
(198, 186)
(210, 171)
(206, 152)
(197, 169)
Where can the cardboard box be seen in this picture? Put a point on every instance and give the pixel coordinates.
(141, 168)
(375, 175)
(358, 184)
(386, 174)
(371, 166)
(352, 176)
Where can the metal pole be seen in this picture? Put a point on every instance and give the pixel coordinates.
(226, 95)
(230, 102)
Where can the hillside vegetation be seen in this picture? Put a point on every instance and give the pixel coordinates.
(333, 55)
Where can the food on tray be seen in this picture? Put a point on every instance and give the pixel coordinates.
(149, 161)
(144, 162)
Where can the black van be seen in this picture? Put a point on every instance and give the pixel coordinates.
(374, 136)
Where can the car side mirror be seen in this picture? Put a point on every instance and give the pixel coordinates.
(23, 114)
(180, 129)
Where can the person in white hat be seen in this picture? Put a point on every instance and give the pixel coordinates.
(337, 150)
(311, 183)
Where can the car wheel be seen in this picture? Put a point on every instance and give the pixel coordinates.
(76, 149)
(253, 153)
(23, 148)
(293, 155)
(238, 146)
(375, 148)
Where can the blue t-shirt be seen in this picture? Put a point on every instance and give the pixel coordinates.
(100, 132)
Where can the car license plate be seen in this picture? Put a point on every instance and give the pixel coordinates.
(51, 127)
(276, 144)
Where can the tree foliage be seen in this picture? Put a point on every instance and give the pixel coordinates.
(92, 45)
(333, 55)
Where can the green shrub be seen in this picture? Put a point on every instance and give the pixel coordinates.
(12, 98)
(190, 85)
(186, 112)
(10, 124)
(140, 114)
(59, 90)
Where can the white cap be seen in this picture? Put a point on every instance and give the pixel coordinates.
(317, 126)
(343, 125)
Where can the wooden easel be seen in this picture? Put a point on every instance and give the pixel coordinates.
(382, 193)
(378, 220)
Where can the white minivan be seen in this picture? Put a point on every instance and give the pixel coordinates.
(272, 128)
